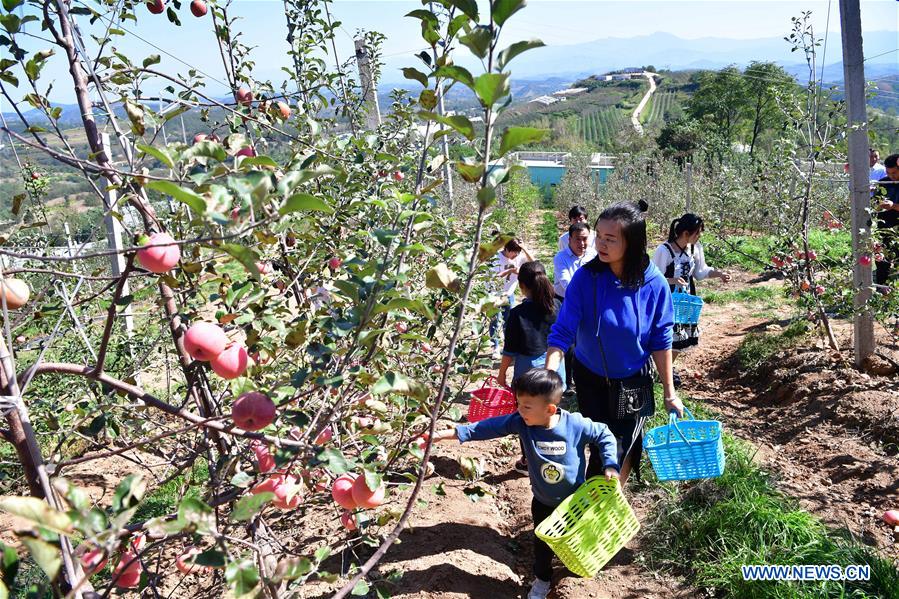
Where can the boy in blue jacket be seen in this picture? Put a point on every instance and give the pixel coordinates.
(554, 442)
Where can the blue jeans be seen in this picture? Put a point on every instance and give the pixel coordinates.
(496, 333)
(522, 364)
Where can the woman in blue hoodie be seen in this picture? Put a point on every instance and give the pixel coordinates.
(618, 314)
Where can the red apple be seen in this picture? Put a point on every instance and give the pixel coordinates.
(198, 8)
(244, 96)
(204, 341)
(365, 497)
(35, 176)
(93, 560)
(185, 561)
(401, 327)
(426, 348)
(342, 491)
(891, 517)
(398, 176)
(15, 292)
(159, 254)
(288, 494)
(819, 290)
(232, 362)
(156, 6)
(253, 411)
(348, 519)
(200, 137)
(811, 255)
(127, 572)
(864, 260)
(323, 437)
(247, 151)
(265, 268)
(777, 261)
(878, 257)
(805, 285)
(421, 441)
(265, 461)
(334, 263)
(284, 109)
(235, 214)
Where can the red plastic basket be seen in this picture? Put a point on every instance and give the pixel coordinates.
(491, 400)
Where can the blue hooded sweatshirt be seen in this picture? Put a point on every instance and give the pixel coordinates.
(635, 322)
(555, 455)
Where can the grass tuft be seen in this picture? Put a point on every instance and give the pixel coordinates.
(757, 348)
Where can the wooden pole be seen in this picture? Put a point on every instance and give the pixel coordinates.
(369, 86)
(689, 176)
(857, 131)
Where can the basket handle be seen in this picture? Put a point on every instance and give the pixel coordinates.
(491, 381)
(672, 424)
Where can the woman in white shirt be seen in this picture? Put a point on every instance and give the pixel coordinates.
(682, 260)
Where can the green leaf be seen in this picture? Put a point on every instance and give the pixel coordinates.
(514, 137)
(9, 78)
(415, 75)
(129, 492)
(456, 73)
(468, 7)
(46, 556)
(151, 60)
(195, 512)
(503, 9)
(9, 564)
(293, 568)
(212, 558)
(424, 15)
(402, 303)
(157, 153)
(441, 277)
(135, 114)
(249, 506)
(185, 196)
(206, 149)
(471, 172)
(459, 123)
(478, 41)
(505, 56)
(242, 577)
(37, 511)
(322, 553)
(486, 196)
(400, 384)
(360, 589)
(304, 202)
(246, 256)
(490, 87)
(336, 461)
(11, 5)
(428, 99)
(372, 479)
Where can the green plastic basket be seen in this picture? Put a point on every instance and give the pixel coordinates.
(590, 526)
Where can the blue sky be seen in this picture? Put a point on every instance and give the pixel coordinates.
(556, 22)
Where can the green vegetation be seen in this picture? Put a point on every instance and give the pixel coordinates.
(600, 127)
(707, 529)
(768, 295)
(757, 348)
(165, 498)
(753, 252)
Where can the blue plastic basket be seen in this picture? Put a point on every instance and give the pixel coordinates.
(686, 450)
(686, 307)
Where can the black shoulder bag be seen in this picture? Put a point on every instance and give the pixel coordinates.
(633, 396)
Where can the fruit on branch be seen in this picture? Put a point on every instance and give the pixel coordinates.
(288, 494)
(365, 497)
(159, 254)
(421, 441)
(185, 562)
(805, 285)
(891, 517)
(334, 263)
(156, 7)
(811, 255)
(127, 572)
(342, 491)
(264, 268)
(426, 348)
(283, 109)
(248, 151)
(198, 8)
(232, 362)
(200, 137)
(878, 257)
(323, 437)
(819, 290)
(244, 96)
(16, 293)
(398, 176)
(204, 341)
(777, 261)
(348, 519)
(864, 260)
(253, 411)
(35, 176)
(92, 560)
(265, 461)
(401, 327)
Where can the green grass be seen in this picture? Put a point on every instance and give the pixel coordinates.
(753, 252)
(757, 348)
(166, 498)
(549, 231)
(706, 530)
(758, 294)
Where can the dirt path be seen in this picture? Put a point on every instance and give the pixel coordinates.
(635, 118)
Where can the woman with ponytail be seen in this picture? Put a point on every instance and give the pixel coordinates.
(527, 328)
(682, 261)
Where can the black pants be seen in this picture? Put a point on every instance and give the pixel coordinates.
(543, 555)
(593, 400)
(882, 272)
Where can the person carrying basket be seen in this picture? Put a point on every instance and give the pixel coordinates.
(682, 260)
(618, 310)
(554, 442)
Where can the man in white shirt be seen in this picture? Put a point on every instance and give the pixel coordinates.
(578, 252)
(878, 170)
(577, 214)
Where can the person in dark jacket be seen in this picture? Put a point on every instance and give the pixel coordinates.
(618, 312)
(887, 195)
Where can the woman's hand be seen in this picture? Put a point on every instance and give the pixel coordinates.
(501, 377)
(723, 275)
(444, 435)
(611, 473)
(680, 282)
(674, 404)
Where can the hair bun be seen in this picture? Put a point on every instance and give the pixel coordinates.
(643, 205)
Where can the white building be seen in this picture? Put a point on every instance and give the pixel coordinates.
(571, 91)
(544, 100)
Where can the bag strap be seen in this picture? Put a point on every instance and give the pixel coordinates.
(598, 316)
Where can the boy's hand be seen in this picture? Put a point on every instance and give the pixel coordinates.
(444, 435)
(611, 473)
